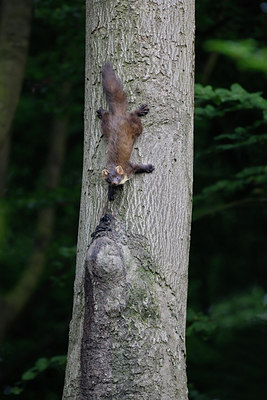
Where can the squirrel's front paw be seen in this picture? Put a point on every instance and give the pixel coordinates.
(149, 168)
(143, 110)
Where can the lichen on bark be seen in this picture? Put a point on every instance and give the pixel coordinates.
(133, 328)
(125, 339)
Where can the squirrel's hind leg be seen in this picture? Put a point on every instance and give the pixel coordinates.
(142, 110)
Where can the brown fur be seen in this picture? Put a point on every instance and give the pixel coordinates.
(121, 130)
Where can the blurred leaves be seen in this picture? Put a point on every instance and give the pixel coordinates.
(234, 312)
(41, 365)
(227, 278)
(222, 101)
(250, 183)
(245, 186)
(247, 54)
(56, 58)
(227, 302)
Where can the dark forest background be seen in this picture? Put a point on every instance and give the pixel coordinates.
(39, 204)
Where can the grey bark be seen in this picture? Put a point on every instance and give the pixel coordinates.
(127, 334)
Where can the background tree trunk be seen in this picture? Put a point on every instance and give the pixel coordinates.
(16, 299)
(15, 23)
(127, 335)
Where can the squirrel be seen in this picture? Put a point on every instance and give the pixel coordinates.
(121, 128)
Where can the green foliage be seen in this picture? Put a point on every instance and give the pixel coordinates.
(59, 30)
(212, 103)
(249, 184)
(41, 365)
(246, 53)
(234, 312)
(61, 13)
(221, 101)
(195, 394)
(56, 61)
(227, 284)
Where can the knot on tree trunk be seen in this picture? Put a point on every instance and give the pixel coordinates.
(106, 267)
(121, 316)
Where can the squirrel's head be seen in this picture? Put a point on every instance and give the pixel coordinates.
(115, 176)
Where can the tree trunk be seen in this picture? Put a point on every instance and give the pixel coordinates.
(127, 335)
(15, 18)
(16, 299)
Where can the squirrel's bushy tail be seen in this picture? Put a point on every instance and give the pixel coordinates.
(116, 97)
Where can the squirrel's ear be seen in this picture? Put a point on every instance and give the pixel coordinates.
(105, 173)
(119, 170)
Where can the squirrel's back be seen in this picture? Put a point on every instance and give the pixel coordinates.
(113, 89)
(121, 129)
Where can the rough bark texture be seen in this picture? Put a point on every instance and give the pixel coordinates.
(15, 18)
(127, 335)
